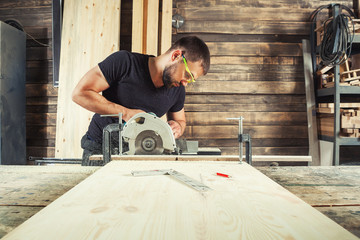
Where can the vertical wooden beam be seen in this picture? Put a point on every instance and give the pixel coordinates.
(166, 24)
(314, 150)
(137, 41)
(91, 31)
(356, 6)
(152, 27)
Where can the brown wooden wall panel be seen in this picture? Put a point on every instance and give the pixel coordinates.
(257, 4)
(250, 118)
(256, 72)
(219, 131)
(245, 108)
(243, 13)
(255, 49)
(298, 150)
(234, 27)
(246, 87)
(245, 99)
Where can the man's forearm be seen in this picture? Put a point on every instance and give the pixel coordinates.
(95, 102)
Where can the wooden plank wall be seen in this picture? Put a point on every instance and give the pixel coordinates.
(256, 72)
(41, 96)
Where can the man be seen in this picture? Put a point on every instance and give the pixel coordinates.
(132, 83)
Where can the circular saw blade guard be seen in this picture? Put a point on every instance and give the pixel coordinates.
(147, 134)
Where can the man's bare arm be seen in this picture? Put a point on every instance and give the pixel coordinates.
(177, 122)
(87, 94)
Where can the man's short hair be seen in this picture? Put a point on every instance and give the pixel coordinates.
(194, 50)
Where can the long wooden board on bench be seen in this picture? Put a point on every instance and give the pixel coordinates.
(113, 204)
(255, 158)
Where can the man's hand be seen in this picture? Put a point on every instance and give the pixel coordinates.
(130, 113)
(176, 128)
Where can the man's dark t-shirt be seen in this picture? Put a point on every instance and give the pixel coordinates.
(131, 86)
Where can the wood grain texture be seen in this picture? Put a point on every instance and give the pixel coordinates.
(334, 191)
(258, 4)
(320, 186)
(235, 158)
(246, 27)
(25, 190)
(314, 146)
(152, 27)
(91, 31)
(254, 49)
(246, 87)
(112, 203)
(166, 26)
(137, 40)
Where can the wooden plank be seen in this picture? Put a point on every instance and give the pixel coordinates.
(204, 158)
(245, 27)
(314, 147)
(41, 132)
(250, 60)
(166, 26)
(48, 119)
(152, 27)
(264, 150)
(254, 49)
(137, 40)
(334, 191)
(25, 190)
(41, 90)
(243, 14)
(38, 186)
(342, 105)
(243, 75)
(246, 87)
(256, 142)
(40, 151)
(320, 186)
(258, 4)
(218, 131)
(250, 118)
(249, 205)
(241, 99)
(271, 108)
(86, 24)
(347, 217)
(256, 68)
(13, 216)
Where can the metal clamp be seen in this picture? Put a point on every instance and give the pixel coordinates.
(243, 138)
(106, 144)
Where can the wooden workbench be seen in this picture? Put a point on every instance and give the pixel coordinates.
(335, 191)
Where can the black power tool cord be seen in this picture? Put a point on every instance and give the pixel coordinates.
(337, 40)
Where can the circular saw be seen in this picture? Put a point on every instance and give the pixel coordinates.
(146, 134)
